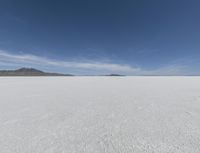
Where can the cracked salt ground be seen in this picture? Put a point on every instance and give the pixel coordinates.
(99, 115)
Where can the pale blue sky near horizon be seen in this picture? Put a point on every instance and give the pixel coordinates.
(131, 37)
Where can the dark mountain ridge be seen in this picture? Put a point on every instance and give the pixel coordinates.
(29, 72)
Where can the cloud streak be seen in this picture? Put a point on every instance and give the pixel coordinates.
(27, 59)
(10, 59)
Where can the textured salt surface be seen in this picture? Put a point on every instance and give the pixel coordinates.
(100, 115)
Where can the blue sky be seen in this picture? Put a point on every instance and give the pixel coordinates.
(133, 37)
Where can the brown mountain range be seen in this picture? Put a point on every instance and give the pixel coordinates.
(29, 72)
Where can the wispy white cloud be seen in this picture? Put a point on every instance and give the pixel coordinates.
(10, 59)
(27, 59)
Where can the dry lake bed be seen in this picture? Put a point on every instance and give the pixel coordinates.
(100, 114)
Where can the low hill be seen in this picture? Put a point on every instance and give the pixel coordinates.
(29, 72)
(115, 75)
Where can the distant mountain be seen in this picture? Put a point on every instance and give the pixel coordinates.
(29, 72)
(115, 75)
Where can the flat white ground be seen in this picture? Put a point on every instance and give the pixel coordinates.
(100, 115)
